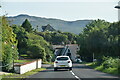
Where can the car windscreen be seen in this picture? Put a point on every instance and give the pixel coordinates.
(62, 58)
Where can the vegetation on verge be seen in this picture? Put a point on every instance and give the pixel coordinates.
(9, 46)
(109, 65)
(14, 75)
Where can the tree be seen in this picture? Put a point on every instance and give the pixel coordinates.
(94, 39)
(22, 38)
(59, 38)
(26, 24)
(38, 47)
(36, 52)
(71, 37)
(114, 38)
(9, 46)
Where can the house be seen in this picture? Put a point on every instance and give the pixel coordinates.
(58, 49)
(48, 28)
(69, 50)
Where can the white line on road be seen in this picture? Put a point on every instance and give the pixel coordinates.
(75, 75)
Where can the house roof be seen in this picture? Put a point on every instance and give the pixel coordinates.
(48, 28)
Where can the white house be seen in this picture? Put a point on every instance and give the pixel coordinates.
(118, 7)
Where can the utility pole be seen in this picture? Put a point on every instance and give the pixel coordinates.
(93, 57)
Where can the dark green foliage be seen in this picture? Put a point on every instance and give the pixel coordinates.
(99, 38)
(27, 26)
(58, 37)
(71, 37)
(22, 38)
(7, 58)
(114, 38)
(31, 44)
(36, 52)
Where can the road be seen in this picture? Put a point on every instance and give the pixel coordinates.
(79, 72)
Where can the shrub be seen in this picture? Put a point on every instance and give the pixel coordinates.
(110, 62)
(35, 51)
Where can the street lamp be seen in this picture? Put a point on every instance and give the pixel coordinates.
(118, 7)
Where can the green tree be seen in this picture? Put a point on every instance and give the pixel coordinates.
(38, 42)
(114, 38)
(71, 37)
(94, 40)
(22, 38)
(26, 24)
(59, 38)
(9, 45)
(36, 52)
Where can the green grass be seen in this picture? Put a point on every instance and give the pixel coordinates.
(48, 63)
(25, 56)
(22, 61)
(110, 70)
(91, 64)
(14, 75)
(102, 69)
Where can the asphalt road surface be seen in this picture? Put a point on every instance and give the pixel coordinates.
(79, 72)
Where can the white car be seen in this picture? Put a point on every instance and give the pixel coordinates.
(62, 62)
(78, 60)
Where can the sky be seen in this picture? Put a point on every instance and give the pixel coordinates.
(69, 10)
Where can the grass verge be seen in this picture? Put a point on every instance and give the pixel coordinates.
(48, 63)
(25, 75)
(102, 69)
(22, 61)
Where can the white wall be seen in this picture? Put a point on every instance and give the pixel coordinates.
(39, 63)
(21, 69)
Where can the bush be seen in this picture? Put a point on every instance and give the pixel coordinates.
(35, 51)
(110, 62)
(7, 58)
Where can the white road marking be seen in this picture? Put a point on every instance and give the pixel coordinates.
(75, 75)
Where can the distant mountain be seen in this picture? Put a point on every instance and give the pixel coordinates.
(65, 26)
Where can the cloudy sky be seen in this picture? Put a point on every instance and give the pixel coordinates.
(69, 10)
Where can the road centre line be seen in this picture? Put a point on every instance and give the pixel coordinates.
(75, 75)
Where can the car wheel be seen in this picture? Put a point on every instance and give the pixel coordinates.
(70, 68)
(55, 69)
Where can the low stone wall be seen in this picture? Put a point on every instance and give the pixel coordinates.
(25, 67)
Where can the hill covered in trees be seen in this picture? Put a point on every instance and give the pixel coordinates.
(37, 22)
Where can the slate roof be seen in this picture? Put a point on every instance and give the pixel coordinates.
(48, 28)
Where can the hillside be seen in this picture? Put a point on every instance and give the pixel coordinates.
(65, 26)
